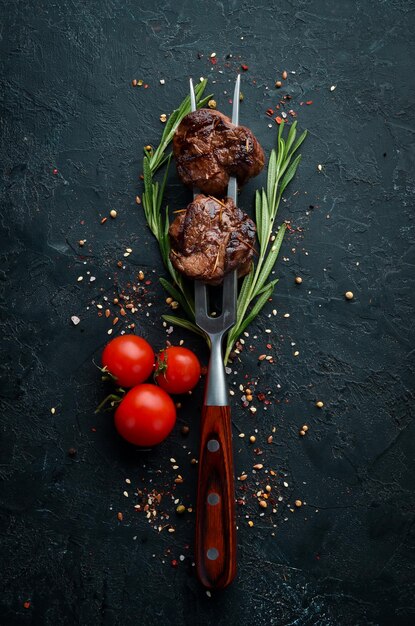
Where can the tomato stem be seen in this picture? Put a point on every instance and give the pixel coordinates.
(111, 399)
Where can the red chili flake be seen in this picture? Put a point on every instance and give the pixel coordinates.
(26, 604)
(93, 429)
(278, 120)
(55, 171)
(148, 282)
(309, 102)
(213, 60)
(244, 67)
(269, 346)
(146, 86)
(261, 397)
(270, 112)
(174, 563)
(104, 219)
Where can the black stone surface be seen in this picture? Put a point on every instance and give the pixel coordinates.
(347, 556)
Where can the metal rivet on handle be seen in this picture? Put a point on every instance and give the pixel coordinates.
(213, 445)
(212, 554)
(213, 498)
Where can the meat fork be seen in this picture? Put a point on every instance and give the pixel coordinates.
(215, 549)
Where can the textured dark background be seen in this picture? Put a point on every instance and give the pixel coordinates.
(347, 556)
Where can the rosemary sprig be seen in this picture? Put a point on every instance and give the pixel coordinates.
(255, 290)
(157, 219)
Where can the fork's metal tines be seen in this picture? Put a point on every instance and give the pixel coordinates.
(220, 323)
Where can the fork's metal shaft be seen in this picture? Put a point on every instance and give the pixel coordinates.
(216, 388)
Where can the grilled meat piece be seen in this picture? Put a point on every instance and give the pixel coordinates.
(209, 149)
(211, 238)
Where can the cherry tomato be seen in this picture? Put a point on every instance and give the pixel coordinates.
(130, 359)
(145, 416)
(177, 370)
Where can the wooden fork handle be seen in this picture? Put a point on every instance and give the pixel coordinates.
(215, 513)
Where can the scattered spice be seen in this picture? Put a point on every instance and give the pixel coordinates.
(72, 452)
(113, 214)
(134, 82)
(212, 104)
(319, 404)
(120, 517)
(252, 438)
(180, 509)
(298, 503)
(163, 118)
(263, 504)
(298, 280)
(285, 75)
(278, 84)
(349, 295)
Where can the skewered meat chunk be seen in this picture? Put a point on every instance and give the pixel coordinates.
(211, 238)
(209, 149)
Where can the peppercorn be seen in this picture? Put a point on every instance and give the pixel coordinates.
(113, 213)
(278, 84)
(304, 427)
(185, 430)
(319, 404)
(302, 433)
(72, 452)
(298, 280)
(252, 438)
(263, 504)
(298, 503)
(349, 295)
